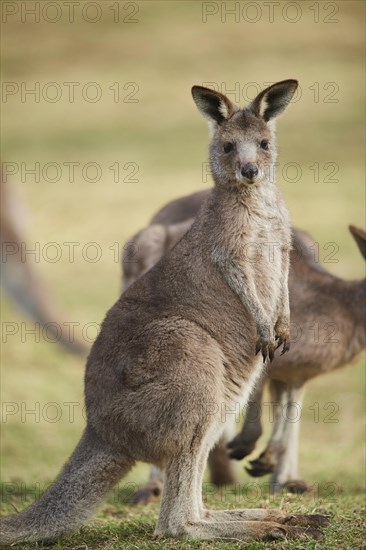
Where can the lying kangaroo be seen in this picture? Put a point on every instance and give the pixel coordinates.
(162, 360)
(317, 299)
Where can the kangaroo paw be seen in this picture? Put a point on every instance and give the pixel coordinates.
(267, 347)
(264, 464)
(282, 335)
(148, 493)
(239, 448)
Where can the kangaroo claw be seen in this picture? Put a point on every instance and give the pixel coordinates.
(267, 347)
(286, 347)
(279, 341)
(282, 336)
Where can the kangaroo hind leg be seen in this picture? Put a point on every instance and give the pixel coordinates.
(181, 509)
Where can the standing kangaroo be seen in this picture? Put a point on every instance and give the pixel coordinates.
(317, 299)
(162, 359)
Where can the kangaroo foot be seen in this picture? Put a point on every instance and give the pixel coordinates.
(295, 486)
(148, 493)
(307, 520)
(264, 464)
(245, 530)
(262, 514)
(239, 447)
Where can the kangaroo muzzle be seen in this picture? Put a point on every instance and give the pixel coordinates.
(249, 171)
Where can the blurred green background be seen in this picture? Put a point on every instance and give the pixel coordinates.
(155, 61)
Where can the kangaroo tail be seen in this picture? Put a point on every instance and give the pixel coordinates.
(92, 470)
(23, 284)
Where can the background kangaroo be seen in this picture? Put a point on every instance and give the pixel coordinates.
(20, 279)
(316, 297)
(162, 360)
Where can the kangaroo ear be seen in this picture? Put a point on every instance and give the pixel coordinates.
(360, 237)
(213, 105)
(273, 100)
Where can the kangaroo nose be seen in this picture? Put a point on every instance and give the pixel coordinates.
(249, 171)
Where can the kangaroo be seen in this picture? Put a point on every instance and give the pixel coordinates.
(317, 298)
(162, 363)
(19, 278)
(337, 308)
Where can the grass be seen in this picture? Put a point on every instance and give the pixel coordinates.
(120, 526)
(167, 51)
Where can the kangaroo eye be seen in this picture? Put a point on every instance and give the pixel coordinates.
(265, 144)
(228, 146)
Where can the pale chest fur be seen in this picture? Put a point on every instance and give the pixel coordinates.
(270, 226)
(257, 239)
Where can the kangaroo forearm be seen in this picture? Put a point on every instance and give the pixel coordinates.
(284, 309)
(284, 305)
(245, 290)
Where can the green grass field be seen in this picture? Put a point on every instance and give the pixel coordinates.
(155, 133)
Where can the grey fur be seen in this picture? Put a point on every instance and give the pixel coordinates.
(317, 298)
(162, 363)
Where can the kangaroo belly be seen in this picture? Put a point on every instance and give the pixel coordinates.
(166, 385)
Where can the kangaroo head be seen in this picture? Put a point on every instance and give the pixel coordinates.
(242, 148)
(360, 237)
